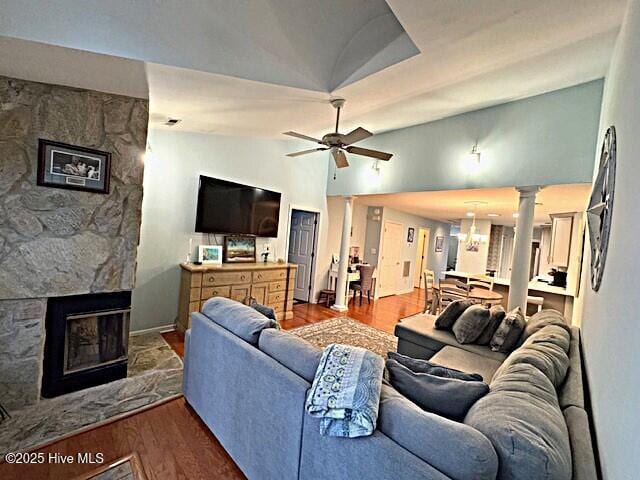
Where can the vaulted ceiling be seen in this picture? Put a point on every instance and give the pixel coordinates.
(261, 68)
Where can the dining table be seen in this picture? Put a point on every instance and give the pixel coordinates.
(483, 295)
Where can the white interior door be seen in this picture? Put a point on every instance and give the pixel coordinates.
(390, 268)
(421, 256)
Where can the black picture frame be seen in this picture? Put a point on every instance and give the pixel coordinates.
(411, 234)
(239, 249)
(86, 170)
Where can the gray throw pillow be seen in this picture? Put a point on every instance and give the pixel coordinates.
(266, 311)
(471, 323)
(508, 333)
(543, 318)
(450, 314)
(497, 315)
(449, 397)
(417, 365)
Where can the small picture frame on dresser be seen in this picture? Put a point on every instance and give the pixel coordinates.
(210, 254)
(239, 249)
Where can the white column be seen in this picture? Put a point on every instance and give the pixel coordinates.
(519, 283)
(341, 287)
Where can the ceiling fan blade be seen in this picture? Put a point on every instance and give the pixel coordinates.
(369, 153)
(303, 137)
(356, 135)
(304, 152)
(339, 157)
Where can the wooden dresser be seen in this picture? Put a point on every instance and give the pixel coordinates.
(269, 283)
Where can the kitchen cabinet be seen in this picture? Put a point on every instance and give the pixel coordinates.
(561, 228)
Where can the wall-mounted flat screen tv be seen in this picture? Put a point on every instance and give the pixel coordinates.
(233, 208)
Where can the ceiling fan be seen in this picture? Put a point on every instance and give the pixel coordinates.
(338, 143)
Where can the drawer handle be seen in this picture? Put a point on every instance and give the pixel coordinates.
(259, 276)
(212, 279)
(242, 277)
(215, 292)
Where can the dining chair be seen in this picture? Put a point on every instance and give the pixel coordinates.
(365, 284)
(450, 293)
(429, 278)
(481, 282)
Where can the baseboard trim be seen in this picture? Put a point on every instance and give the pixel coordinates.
(161, 329)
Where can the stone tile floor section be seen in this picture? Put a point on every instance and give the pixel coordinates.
(154, 374)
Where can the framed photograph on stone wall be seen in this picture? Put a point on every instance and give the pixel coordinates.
(61, 165)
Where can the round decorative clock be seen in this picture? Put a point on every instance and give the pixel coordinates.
(600, 207)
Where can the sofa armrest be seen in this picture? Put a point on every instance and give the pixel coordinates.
(456, 449)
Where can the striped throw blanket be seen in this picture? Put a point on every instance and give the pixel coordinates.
(345, 394)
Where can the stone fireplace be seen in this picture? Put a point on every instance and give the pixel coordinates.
(62, 243)
(86, 341)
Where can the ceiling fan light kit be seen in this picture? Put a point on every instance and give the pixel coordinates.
(339, 143)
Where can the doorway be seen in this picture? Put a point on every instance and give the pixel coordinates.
(421, 255)
(302, 245)
(390, 262)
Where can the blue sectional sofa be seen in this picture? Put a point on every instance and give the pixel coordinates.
(248, 384)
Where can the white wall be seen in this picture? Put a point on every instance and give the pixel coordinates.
(436, 261)
(542, 140)
(169, 205)
(474, 262)
(611, 316)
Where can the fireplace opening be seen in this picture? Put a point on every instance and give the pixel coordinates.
(86, 341)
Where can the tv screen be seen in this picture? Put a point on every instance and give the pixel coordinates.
(233, 208)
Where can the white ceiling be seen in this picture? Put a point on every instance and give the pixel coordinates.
(472, 55)
(452, 205)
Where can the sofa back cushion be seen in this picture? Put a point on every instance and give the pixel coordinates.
(468, 327)
(456, 449)
(417, 365)
(545, 350)
(239, 319)
(449, 397)
(450, 314)
(543, 318)
(522, 419)
(293, 352)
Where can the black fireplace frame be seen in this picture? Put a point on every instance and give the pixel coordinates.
(55, 381)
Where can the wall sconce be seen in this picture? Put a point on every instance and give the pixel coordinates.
(376, 166)
(474, 156)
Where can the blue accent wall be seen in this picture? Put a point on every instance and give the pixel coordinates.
(543, 140)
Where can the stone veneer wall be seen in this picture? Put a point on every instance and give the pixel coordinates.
(56, 242)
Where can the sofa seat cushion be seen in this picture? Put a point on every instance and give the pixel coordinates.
(545, 351)
(522, 419)
(456, 449)
(291, 351)
(469, 362)
(571, 393)
(420, 329)
(239, 319)
(583, 457)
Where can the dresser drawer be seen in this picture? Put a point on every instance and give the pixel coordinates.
(278, 286)
(196, 280)
(278, 298)
(225, 278)
(221, 291)
(269, 275)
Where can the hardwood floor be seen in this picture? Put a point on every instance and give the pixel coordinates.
(172, 441)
